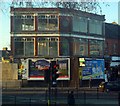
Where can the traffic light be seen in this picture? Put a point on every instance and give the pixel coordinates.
(55, 74)
(47, 75)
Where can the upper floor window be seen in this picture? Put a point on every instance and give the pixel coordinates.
(95, 26)
(47, 22)
(23, 22)
(79, 24)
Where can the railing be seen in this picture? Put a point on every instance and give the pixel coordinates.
(37, 96)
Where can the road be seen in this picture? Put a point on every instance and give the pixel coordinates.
(41, 96)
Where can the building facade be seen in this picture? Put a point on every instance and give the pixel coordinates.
(56, 32)
(112, 42)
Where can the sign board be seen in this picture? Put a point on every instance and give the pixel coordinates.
(37, 67)
(94, 68)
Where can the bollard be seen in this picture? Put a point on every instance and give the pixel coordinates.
(15, 100)
(84, 97)
(90, 82)
(46, 95)
(97, 94)
(119, 98)
(30, 102)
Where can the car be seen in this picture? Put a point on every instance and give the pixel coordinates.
(101, 86)
(109, 86)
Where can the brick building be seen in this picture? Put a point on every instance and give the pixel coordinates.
(56, 32)
(112, 42)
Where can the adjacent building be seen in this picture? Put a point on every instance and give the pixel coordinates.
(112, 42)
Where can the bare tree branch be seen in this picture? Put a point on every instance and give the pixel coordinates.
(93, 7)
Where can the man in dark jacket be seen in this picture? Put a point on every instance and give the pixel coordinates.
(71, 99)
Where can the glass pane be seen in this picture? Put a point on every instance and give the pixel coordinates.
(53, 49)
(43, 48)
(83, 47)
(53, 25)
(76, 24)
(95, 27)
(64, 47)
(29, 48)
(79, 24)
(17, 27)
(96, 48)
(76, 47)
(83, 24)
(28, 24)
(19, 48)
(47, 22)
(48, 46)
(42, 24)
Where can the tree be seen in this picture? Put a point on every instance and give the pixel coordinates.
(93, 7)
(84, 6)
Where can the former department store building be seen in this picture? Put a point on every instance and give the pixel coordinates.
(57, 32)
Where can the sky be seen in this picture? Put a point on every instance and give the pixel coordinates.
(110, 12)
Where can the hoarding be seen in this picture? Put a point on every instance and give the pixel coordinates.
(37, 67)
(94, 68)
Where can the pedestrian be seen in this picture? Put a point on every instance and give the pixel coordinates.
(80, 79)
(71, 99)
(90, 82)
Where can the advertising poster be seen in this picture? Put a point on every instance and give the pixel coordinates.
(93, 69)
(24, 69)
(64, 69)
(37, 67)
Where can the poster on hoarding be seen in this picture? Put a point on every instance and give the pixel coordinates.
(38, 66)
(94, 68)
(64, 68)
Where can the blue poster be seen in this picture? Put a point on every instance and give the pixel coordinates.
(93, 69)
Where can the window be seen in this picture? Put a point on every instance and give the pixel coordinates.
(83, 24)
(96, 47)
(80, 24)
(29, 47)
(19, 48)
(80, 47)
(64, 47)
(48, 46)
(114, 51)
(83, 47)
(26, 22)
(95, 26)
(47, 22)
(24, 46)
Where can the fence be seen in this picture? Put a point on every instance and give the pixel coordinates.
(36, 97)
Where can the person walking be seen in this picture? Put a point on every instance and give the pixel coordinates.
(90, 82)
(71, 99)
